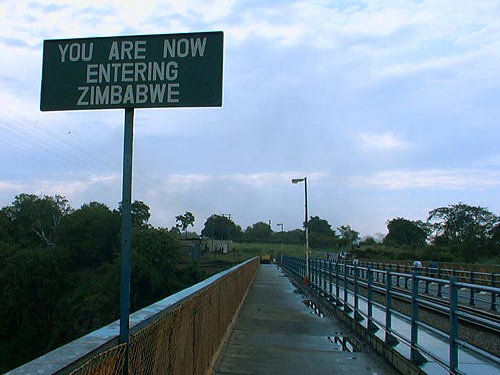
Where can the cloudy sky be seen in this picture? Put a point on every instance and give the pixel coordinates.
(389, 107)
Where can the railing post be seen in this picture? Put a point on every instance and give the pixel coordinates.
(426, 291)
(389, 338)
(439, 294)
(346, 285)
(371, 326)
(406, 277)
(318, 275)
(337, 284)
(453, 325)
(471, 295)
(330, 280)
(493, 306)
(357, 315)
(414, 353)
(324, 276)
(311, 269)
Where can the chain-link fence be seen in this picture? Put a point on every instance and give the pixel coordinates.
(184, 339)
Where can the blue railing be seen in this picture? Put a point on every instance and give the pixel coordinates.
(340, 284)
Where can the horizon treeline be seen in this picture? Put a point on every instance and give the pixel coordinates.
(60, 271)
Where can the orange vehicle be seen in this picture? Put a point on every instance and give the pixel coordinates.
(265, 259)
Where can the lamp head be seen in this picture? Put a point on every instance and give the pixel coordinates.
(297, 180)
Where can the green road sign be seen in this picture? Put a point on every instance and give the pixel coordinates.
(170, 70)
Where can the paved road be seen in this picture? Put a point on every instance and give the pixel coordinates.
(276, 333)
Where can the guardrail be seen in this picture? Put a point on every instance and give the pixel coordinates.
(402, 273)
(439, 270)
(180, 334)
(340, 283)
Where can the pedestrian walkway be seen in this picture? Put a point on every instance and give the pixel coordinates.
(277, 333)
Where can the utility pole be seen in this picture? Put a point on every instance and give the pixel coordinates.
(296, 181)
(281, 242)
(229, 220)
(271, 228)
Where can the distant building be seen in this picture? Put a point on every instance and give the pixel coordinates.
(192, 247)
(220, 246)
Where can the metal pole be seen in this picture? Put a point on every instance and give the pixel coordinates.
(453, 325)
(126, 235)
(324, 275)
(337, 283)
(346, 295)
(389, 338)
(369, 276)
(439, 294)
(493, 306)
(307, 230)
(414, 353)
(330, 279)
(471, 294)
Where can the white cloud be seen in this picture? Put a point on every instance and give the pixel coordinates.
(67, 188)
(186, 182)
(382, 142)
(433, 179)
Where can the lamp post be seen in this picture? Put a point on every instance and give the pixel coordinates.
(296, 181)
(281, 242)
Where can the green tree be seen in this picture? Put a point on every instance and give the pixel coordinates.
(295, 236)
(318, 225)
(140, 214)
(495, 240)
(258, 232)
(31, 283)
(220, 227)
(406, 232)
(155, 258)
(348, 236)
(91, 234)
(467, 228)
(321, 233)
(462, 223)
(184, 221)
(37, 219)
(7, 229)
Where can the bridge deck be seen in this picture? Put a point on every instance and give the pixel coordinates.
(276, 333)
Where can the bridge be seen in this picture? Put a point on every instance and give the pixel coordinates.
(263, 319)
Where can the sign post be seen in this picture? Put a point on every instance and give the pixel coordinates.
(127, 72)
(126, 237)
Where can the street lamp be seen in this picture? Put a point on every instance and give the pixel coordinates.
(281, 242)
(296, 181)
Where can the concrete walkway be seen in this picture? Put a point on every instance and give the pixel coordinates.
(276, 333)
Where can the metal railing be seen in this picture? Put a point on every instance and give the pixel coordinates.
(177, 335)
(340, 283)
(439, 270)
(402, 273)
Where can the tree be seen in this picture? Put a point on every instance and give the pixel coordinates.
(406, 232)
(91, 234)
(348, 235)
(495, 240)
(155, 256)
(38, 218)
(368, 241)
(318, 225)
(258, 232)
(184, 221)
(140, 213)
(466, 228)
(220, 227)
(295, 236)
(461, 223)
(321, 233)
(7, 229)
